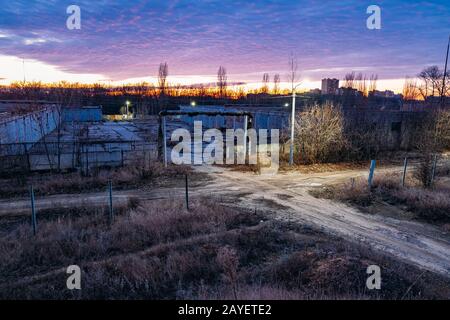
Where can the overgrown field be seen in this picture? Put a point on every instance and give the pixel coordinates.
(159, 250)
(55, 183)
(429, 204)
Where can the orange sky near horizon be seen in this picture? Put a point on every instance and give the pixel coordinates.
(14, 69)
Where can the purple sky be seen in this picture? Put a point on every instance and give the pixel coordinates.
(128, 39)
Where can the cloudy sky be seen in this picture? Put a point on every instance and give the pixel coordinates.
(123, 41)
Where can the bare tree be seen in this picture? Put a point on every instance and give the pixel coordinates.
(265, 83)
(373, 82)
(349, 80)
(42, 128)
(32, 90)
(410, 90)
(293, 74)
(361, 85)
(140, 92)
(222, 81)
(276, 84)
(431, 81)
(163, 73)
(65, 95)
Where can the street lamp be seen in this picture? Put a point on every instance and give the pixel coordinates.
(128, 106)
(291, 150)
(193, 103)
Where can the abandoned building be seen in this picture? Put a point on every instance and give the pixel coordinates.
(393, 128)
(81, 138)
(69, 138)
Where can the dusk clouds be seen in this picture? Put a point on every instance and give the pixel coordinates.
(128, 39)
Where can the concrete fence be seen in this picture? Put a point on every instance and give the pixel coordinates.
(82, 156)
(30, 127)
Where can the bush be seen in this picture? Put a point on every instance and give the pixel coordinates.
(425, 170)
(320, 134)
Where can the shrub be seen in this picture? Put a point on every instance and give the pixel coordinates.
(320, 133)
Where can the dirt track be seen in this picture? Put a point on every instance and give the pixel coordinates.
(286, 196)
(424, 246)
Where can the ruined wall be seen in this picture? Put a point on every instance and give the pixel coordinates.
(28, 128)
(392, 130)
(263, 117)
(84, 114)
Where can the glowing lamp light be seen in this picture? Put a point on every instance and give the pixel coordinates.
(193, 103)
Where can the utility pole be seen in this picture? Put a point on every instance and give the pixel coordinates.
(445, 75)
(291, 150)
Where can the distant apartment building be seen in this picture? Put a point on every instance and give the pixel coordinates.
(330, 86)
(315, 91)
(385, 94)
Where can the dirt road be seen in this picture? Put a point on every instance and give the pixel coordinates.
(286, 196)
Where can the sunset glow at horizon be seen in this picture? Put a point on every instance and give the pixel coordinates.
(121, 43)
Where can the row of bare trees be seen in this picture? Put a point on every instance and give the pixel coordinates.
(266, 84)
(428, 83)
(361, 82)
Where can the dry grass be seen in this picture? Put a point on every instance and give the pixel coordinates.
(431, 205)
(158, 250)
(322, 167)
(126, 177)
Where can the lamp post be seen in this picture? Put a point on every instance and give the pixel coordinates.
(128, 106)
(291, 150)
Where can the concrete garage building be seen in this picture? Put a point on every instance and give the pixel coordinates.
(81, 140)
(394, 129)
(262, 117)
(83, 114)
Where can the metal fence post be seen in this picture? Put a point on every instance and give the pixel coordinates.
(433, 170)
(372, 170)
(164, 141)
(33, 211)
(187, 192)
(111, 213)
(245, 137)
(405, 165)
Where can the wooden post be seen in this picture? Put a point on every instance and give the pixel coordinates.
(405, 165)
(111, 213)
(33, 211)
(187, 192)
(371, 172)
(433, 170)
(164, 140)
